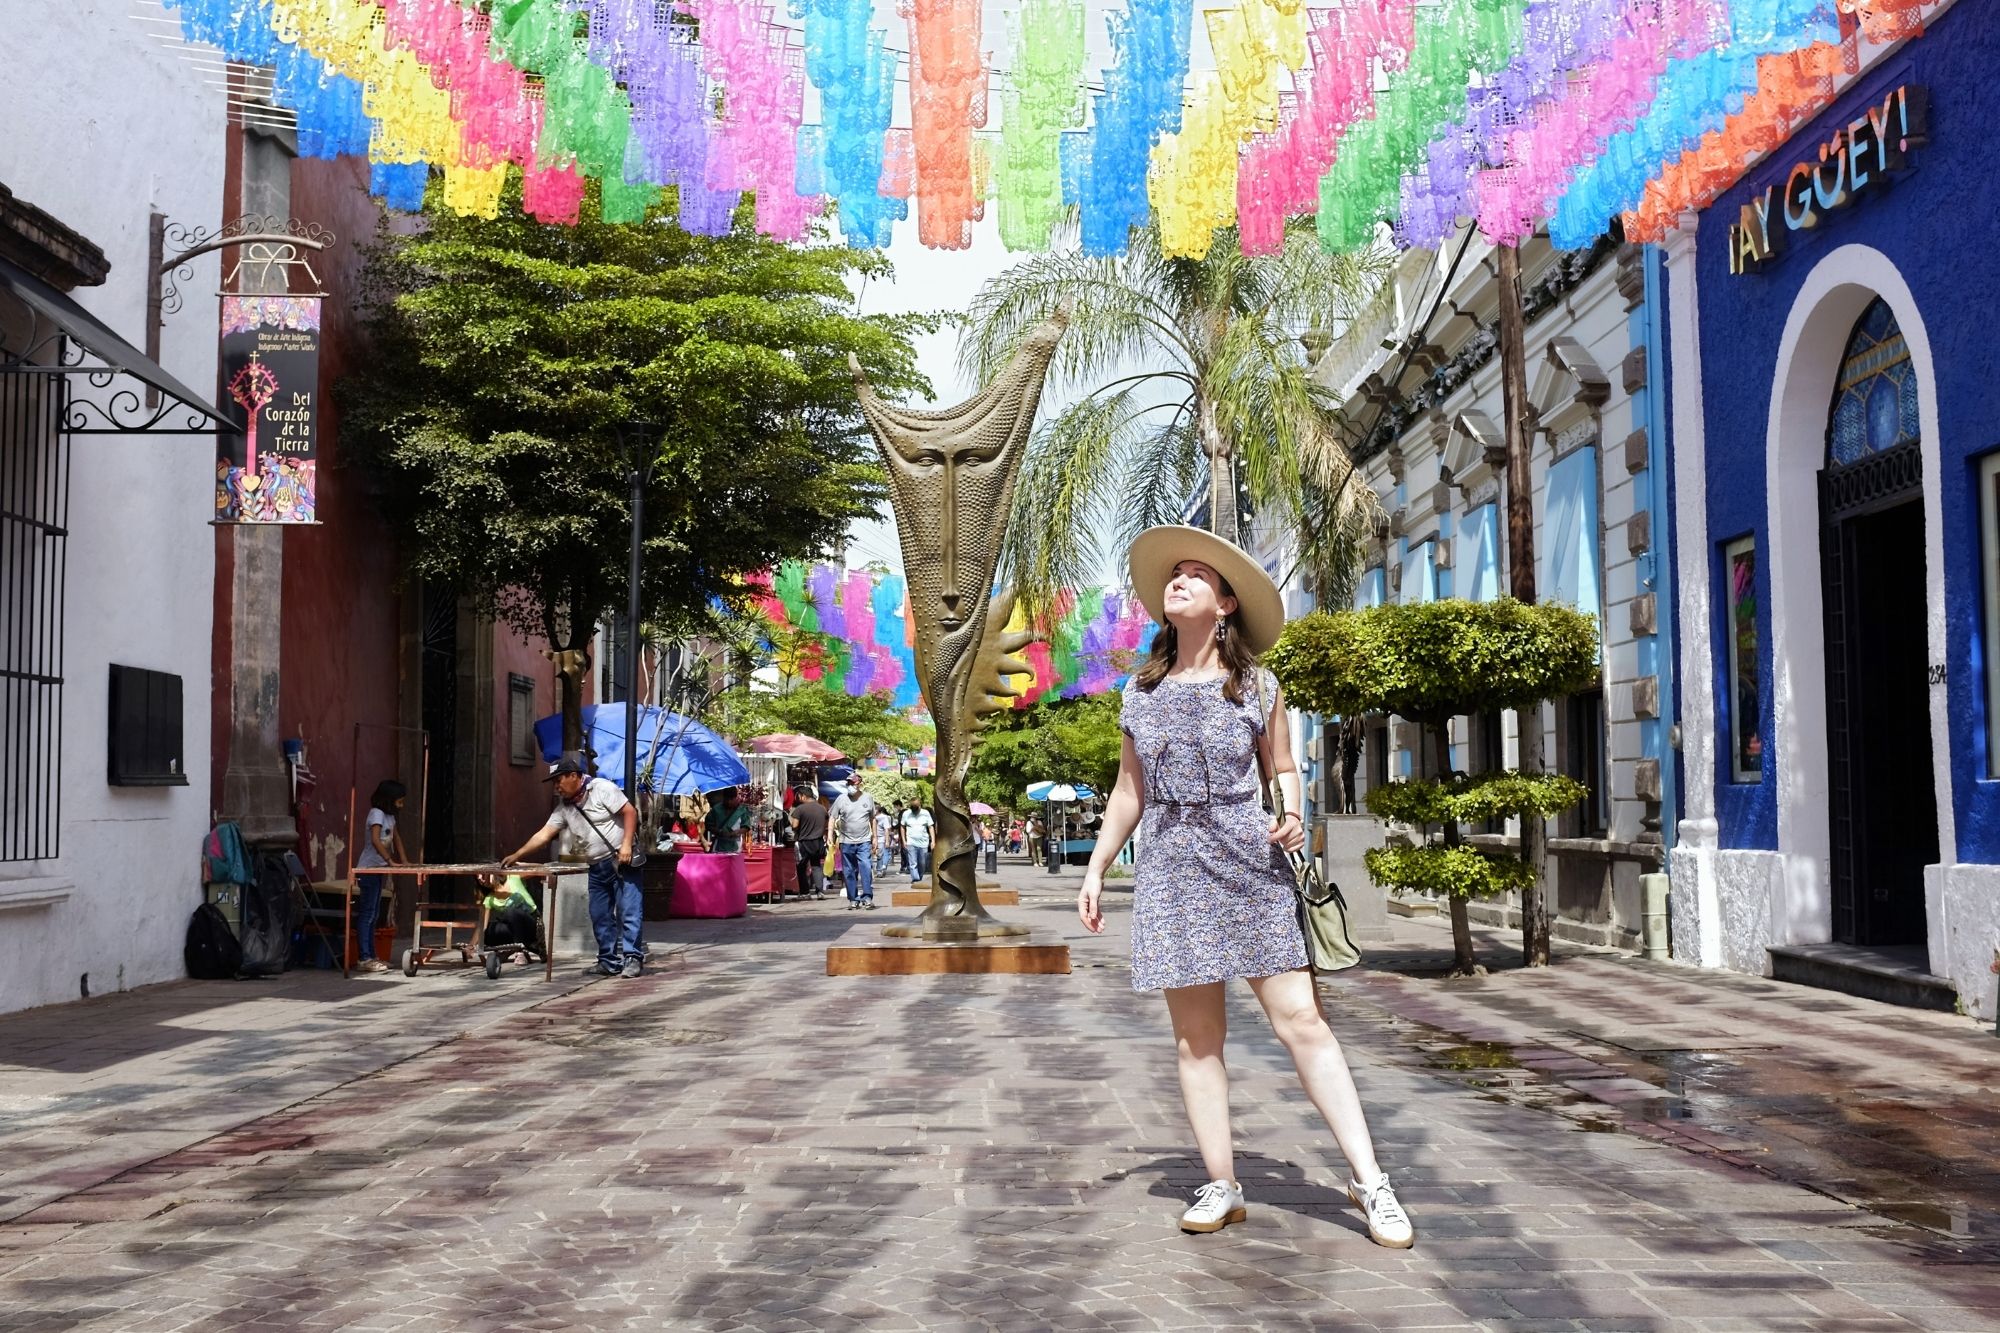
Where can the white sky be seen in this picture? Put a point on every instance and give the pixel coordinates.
(929, 280)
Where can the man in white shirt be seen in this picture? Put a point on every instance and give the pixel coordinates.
(603, 823)
(853, 818)
(917, 825)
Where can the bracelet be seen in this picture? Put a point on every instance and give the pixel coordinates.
(1293, 814)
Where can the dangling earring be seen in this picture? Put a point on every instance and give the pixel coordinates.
(1222, 631)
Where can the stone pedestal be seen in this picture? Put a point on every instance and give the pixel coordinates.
(864, 951)
(575, 940)
(1345, 838)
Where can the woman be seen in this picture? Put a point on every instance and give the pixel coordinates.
(728, 820)
(508, 915)
(383, 846)
(1213, 898)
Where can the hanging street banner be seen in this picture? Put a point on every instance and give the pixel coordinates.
(270, 369)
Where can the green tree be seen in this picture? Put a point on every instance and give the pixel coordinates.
(1179, 363)
(1430, 662)
(1061, 740)
(890, 789)
(853, 724)
(517, 373)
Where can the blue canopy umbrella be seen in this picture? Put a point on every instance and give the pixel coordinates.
(686, 756)
(1058, 791)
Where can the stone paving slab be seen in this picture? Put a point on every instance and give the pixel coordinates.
(739, 1142)
(92, 1089)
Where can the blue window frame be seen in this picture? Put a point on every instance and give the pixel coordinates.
(1477, 553)
(1420, 574)
(1373, 590)
(1570, 563)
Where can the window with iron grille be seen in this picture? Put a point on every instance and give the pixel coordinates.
(34, 512)
(1489, 755)
(521, 719)
(1584, 758)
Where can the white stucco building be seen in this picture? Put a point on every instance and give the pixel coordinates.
(106, 557)
(1418, 381)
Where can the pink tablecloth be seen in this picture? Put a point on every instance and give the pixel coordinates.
(710, 884)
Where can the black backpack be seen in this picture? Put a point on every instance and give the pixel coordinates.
(267, 920)
(211, 953)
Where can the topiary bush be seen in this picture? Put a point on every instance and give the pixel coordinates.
(1430, 662)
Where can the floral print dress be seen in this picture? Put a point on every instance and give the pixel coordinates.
(1213, 897)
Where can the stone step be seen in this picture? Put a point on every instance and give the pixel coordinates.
(1893, 976)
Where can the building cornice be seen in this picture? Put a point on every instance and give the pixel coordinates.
(57, 254)
(1397, 413)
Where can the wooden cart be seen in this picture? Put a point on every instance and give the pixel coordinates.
(450, 919)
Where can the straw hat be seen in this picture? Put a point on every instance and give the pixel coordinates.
(1260, 610)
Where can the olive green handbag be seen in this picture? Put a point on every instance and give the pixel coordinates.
(1321, 908)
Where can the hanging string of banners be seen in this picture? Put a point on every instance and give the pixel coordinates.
(1414, 114)
(849, 630)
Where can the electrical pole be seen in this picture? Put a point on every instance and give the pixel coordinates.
(1520, 438)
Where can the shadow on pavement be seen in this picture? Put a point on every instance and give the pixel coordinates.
(156, 1019)
(1268, 1182)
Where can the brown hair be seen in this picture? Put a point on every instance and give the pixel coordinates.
(1235, 650)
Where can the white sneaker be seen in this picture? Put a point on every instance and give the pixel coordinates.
(1388, 1224)
(1216, 1205)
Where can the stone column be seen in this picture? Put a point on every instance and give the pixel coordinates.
(256, 789)
(1693, 897)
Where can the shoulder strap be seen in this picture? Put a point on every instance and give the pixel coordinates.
(581, 808)
(1274, 794)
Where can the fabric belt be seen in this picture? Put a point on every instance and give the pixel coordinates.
(1219, 798)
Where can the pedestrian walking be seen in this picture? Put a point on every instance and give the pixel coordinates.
(900, 841)
(888, 841)
(917, 826)
(1213, 896)
(382, 845)
(1352, 737)
(601, 821)
(809, 828)
(853, 818)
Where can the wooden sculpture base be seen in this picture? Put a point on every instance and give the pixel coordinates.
(864, 951)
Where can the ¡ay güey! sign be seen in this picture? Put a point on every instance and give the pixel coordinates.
(1857, 160)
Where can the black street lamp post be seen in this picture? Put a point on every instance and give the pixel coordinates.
(638, 480)
(632, 437)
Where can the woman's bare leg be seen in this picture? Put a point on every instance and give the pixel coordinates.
(1289, 1001)
(1200, 1023)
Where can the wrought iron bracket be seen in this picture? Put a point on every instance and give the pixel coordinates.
(47, 350)
(268, 242)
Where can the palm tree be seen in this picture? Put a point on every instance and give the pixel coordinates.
(1177, 363)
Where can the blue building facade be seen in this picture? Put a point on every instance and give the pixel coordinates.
(1836, 441)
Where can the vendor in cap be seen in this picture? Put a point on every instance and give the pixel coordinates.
(602, 822)
(1213, 898)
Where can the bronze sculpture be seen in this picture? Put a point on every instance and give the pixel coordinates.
(951, 482)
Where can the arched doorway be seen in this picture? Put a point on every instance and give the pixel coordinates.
(1882, 802)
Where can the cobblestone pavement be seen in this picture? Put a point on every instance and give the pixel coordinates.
(739, 1141)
